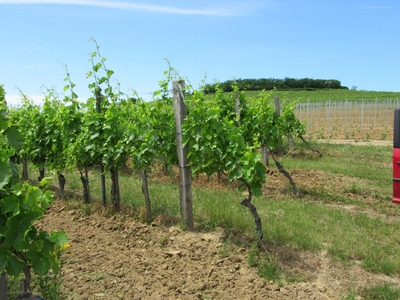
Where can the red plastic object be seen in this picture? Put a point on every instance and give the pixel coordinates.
(396, 175)
(396, 157)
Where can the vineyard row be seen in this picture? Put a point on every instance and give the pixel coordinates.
(361, 120)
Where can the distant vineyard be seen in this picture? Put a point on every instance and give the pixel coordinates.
(360, 120)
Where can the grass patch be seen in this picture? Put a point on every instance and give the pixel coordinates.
(381, 292)
(267, 265)
(359, 161)
(354, 174)
(345, 235)
(350, 295)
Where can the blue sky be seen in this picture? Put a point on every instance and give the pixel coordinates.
(356, 42)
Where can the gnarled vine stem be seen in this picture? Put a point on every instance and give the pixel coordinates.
(257, 220)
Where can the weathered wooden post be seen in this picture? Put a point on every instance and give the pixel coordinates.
(277, 106)
(265, 155)
(25, 176)
(185, 174)
(3, 286)
(145, 190)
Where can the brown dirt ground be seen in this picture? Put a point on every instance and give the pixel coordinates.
(117, 256)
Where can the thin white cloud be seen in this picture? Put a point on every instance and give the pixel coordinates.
(221, 11)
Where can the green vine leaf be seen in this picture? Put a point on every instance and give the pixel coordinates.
(14, 137)
(109, 73)
(10, 204)
(6, 173)
(11, 263)
(97, 67)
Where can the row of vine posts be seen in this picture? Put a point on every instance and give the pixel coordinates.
(95, 134)
(70, 135)
(185, 171)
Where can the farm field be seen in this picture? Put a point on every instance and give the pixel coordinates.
(331, 94)
(325, 245)
(344, 120)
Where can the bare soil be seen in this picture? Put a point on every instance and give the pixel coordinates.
(120, 257)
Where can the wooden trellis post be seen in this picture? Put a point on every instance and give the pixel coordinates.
(3, 286)
(185, 174)
(145, 190)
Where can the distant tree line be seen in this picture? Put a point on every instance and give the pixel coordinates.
(279, 84)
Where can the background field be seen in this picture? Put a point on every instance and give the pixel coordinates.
(360, 120)
(331, 94)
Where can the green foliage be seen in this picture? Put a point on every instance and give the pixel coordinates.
(289, 124)
(49, 286)
(162, 136)
(22, 245)
(70, 115)
(217, 143)
(53, 150)
(150, 133)
(138, 134)
(261, 123)
(31, 122)
(95, 130)
(272, 83)
(48, 130)
(110, 127)
(264, 126)
(101, 139)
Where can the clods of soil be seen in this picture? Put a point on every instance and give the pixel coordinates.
(120, 257)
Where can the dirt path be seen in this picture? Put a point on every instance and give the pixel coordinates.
(118, 257)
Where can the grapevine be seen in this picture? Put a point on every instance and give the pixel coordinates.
(23, 247)
(224, 132)
(216, 143)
